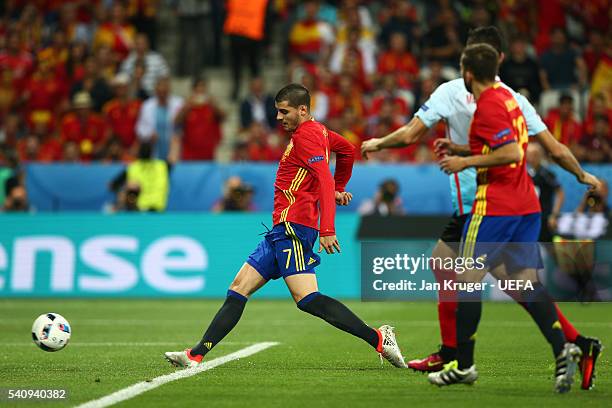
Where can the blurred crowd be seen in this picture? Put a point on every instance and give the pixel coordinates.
(82, 80)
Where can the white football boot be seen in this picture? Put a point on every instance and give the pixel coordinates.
(452, 375)
(390, 350)
(183, 358)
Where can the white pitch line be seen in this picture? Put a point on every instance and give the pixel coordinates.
(125, 344)
(144, 386)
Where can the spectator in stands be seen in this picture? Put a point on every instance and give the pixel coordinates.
(563, 123)
(116, 33)
(201, 120)
(156, 121)
(594, 51)
(399, 62)
(597, 107)
(444, 40)
(55, 53)
(106, 60)
(354, 51)
(311, 38)
(391, 92)
(401, 18)
(75, 62)
(155, 65)
(70, 152)
(147, 178)
(259, 146)
(39, 148)
(73, 25)
(121, 113)
(16, 198)
(44, 96)
(319, 101)
(597, 146)
(258, 106)
(136, 87)
(94, 84)
(347, 95)
(114, 152)
(520, 71)
(84, 127)
(16, 58)
(10, 132)
(245, 26)
(562, 67)
(386, 201)
(237, 196)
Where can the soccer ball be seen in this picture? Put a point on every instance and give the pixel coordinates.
(51, 332)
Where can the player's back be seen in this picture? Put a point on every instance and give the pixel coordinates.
(507, 189)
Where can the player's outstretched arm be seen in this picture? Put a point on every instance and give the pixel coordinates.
(505, 154)
(563, 156)
(404, 136)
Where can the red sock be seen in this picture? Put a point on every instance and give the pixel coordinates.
(447, 308)
(569, 330)
(448, 323)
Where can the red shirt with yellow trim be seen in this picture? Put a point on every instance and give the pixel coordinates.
(304, 184)
(508, 189)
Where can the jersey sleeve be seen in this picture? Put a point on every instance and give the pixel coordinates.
(345, 156)
(535, 124)
(493, 125)
(436, 108)
(311, 151)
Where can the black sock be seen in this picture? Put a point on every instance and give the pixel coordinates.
(223, 322)
(469, 309)
(543, 312)
(338, 315)
(448, 353)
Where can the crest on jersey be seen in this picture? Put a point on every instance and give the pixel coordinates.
(287, 150)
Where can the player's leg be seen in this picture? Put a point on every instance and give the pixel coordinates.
(304, 290)
(246, 282)
(296, 261)
(479, 231)
(260, 267)
(446, 247)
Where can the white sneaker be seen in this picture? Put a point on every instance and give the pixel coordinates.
(452, 375)
(390, 350)
(566, 367)
(183, 358)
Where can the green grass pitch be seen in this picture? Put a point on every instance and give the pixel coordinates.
(116, 343)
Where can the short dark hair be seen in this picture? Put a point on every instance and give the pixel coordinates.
(295, 94)
(481, 60)
(566, 98)
(486, 35)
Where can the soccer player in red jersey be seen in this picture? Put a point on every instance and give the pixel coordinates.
(506, 211)
(304, 192)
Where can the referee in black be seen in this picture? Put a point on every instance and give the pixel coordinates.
(548, 189)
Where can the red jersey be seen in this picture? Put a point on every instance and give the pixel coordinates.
(304, 183)
(508, 189)
(122, 117)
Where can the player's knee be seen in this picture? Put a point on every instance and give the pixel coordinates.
(239, 286)
(304, 302)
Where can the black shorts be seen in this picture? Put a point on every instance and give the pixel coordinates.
(454, 229)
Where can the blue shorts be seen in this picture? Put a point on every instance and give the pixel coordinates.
(286, 250)
(511, 240)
